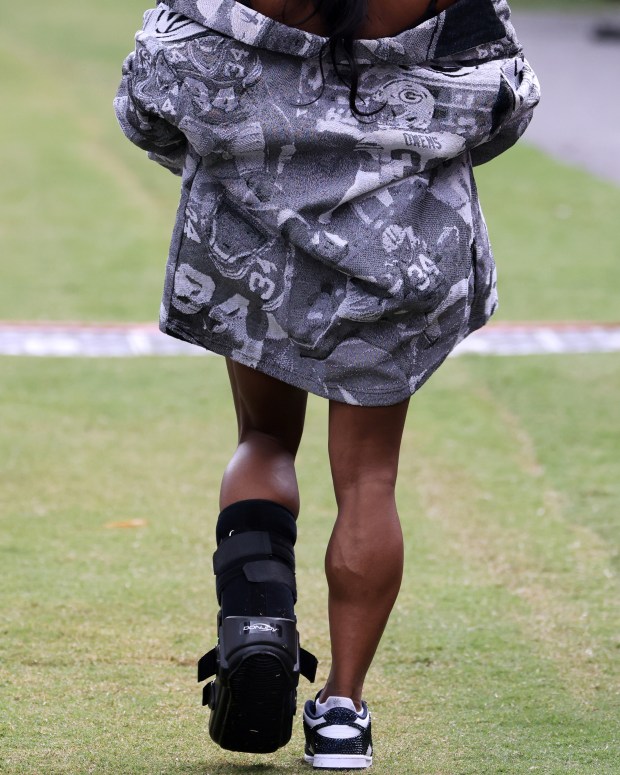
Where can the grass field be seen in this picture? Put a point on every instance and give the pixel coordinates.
(503, 654)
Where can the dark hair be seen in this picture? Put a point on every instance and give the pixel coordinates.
(342, 19)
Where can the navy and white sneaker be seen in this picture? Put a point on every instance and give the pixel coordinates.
(337, 736)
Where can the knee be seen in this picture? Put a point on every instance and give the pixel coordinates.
(267, 442)
(364, 487)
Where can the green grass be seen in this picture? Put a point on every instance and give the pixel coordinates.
(554, 238)
(86, 218)
(502, 654)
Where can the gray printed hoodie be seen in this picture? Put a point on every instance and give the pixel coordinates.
(346, 255)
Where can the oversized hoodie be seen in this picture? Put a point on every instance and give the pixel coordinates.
(343, 254)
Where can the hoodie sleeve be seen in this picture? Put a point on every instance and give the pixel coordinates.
(511, 112)
(486, 106)
(145, 121)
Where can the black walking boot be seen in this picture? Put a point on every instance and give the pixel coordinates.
(257, 660)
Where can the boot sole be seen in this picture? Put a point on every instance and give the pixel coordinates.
(254, 712)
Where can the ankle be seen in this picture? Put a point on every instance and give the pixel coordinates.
(350, 694)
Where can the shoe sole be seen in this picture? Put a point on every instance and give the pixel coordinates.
(254, 712)
(338, 761)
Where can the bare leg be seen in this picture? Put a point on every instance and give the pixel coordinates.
(364, 559)
(252, 697)
(365, 553)
(270, 417)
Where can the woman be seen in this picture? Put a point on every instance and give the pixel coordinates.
(329, 239)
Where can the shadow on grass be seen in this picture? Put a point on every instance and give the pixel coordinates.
(294, 766)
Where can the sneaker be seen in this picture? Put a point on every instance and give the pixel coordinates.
(337, 736)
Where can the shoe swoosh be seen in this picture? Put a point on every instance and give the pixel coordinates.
(313, 722)
(340, 732)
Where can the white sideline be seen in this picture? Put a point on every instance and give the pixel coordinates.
(74, 340)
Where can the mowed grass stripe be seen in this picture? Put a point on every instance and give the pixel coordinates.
(543, 572)
(68, 182)
(84, 123)
(486, 665)
(558, 552)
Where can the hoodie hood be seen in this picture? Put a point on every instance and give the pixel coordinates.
(469, 30)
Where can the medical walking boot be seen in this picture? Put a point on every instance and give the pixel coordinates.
(257, 661)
